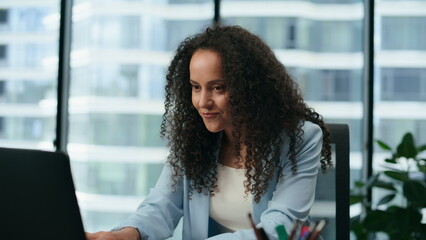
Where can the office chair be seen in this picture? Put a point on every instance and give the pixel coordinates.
(333, 189)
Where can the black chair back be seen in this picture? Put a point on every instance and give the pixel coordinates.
(333, 188)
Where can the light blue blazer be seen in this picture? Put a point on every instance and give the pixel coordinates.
(285, 201)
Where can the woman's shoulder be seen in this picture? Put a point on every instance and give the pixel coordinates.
(311, 138)
(310, 129)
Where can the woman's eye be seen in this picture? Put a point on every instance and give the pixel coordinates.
(195, 87)
(219, 88)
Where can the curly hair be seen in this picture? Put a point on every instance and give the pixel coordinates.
(264, 101)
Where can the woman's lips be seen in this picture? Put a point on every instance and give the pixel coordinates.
(209, 115)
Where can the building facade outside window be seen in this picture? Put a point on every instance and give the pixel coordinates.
(28, 73)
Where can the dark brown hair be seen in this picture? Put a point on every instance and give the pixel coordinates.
(263, 98)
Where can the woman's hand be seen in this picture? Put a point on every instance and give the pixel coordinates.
(123, 234)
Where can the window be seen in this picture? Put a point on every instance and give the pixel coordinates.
(2, 88)
(3, 16)
(120, 57)
(117, 94)
(28, 74)
(330, 85)
(306, 40)
(403, 84)
(335, 36)
(3, 52)
(291, 35)
(392, 134)
(396, 29)
(400, 80)
(2, 127)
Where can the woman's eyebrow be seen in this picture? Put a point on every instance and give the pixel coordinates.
(211, 82)
(216, 81)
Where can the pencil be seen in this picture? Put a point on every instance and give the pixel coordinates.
(294, 230)
(263, 234)
(318, 229)
(256, 231)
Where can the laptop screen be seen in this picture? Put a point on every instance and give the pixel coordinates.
(38, 198)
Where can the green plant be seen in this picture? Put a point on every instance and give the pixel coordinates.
(398, 212)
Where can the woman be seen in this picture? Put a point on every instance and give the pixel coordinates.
(241, 140)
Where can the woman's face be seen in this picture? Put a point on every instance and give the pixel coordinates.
(209, 94)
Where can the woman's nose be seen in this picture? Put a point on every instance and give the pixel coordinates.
(205, 99)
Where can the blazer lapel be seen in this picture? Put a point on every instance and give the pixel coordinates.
(199, 214)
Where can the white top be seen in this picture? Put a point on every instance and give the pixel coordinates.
(230, 205)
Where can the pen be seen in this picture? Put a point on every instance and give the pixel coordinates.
(282, 233)
(305, 231)
(310, 231)
(293, 230)
(263, 234)
(318, 229)
(256, 231)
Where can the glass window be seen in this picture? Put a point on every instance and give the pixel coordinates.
(400, 79)
(335, 36)
(3, 16)
(395, 30)
(2, 129)
(28, 65)
(313, 44)
(119, 62)
(314, 1)
(330, 85)
(393, 135)
(302, 33)
(2, 52)
(402, 84)
(2, 88)
(177, 31)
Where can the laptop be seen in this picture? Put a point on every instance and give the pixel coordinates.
(37, 196)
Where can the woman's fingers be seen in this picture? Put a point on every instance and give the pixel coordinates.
(125, 233)
(97, 236)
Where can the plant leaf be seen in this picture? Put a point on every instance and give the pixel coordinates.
(378, 221)
(386, 199)
(415, 192)
(422, 231)
(407, 148)
(383, 145)
(384, 185)
(390, 160)
(358, 228)
(407, 220)
(392, 167)
(422, 168)
(421, 148)
(354, 199)
(392, 209)
(359, 184)
(372, 180)
(400, 176)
